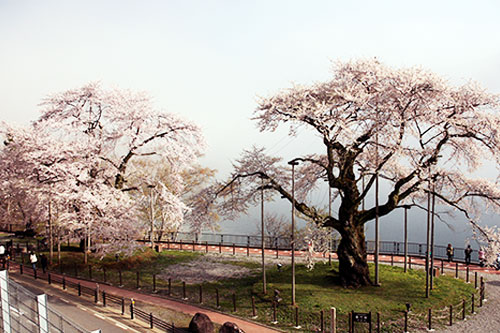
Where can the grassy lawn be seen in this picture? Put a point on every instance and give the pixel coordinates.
(316, 290)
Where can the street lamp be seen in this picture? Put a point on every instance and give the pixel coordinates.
(264, 290)
(293, 163)
(406, 207)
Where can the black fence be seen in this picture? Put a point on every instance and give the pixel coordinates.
(283, 243)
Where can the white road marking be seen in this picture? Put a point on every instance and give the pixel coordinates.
(120, 325)
(65, 301)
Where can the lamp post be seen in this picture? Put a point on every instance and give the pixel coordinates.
(264, 290)
(432, 238)
(293, 163)
(406, 207)
(427, 270)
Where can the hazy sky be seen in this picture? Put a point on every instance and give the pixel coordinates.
(210, 60)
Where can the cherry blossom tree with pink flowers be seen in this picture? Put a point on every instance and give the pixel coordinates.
(419, 133)
(78, 155)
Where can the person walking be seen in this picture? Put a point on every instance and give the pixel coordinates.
(33, 260)
(449, 252)
(481, 255)
(468, 253)
(43, 262)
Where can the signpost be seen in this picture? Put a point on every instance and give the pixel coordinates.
(361, 317)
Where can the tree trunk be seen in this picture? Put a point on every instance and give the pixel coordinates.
(353, 266)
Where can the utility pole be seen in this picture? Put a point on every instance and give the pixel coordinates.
(293, 163)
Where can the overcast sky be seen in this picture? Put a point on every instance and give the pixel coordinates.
(210, 60)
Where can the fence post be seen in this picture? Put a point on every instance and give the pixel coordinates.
(103, 298)
(201, 294)
(234, 302)
(429, 327)
(234, 249)
(472, 304)
(333, 320)
(451, 315)
(378, 322)
(442, 266)
(350, 323)
(64, 283)
(137, 280)
(467, 278)
(406, 321)
(184, 290)
(220, 247)
(79, 289)
(217, 298)
(151, 320)
(409, 262)
(248, 247)
(131, 308)
(193, 246)
(254, 314)
(206, 246)
(169, 287)
(96, 294)
(322, 319)
(392, 259)
(297, 326)
(456, 270)
(475, 280)
(90, 272)
(21, 269)
(123, 306)
(463, 309)
(275, 318)
(329, 259)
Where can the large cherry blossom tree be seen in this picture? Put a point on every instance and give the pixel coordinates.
(413, 129)
(79, 152)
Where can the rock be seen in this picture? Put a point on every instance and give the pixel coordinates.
(229, 327)
(201, 323)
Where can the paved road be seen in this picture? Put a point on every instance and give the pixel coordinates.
(79, 310)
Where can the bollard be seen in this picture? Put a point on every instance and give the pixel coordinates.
(254, 314)
(350, 322)
(79, 289)
(96, 295)
(169, 286)
(406, 321)
(234, 249)
(120, 277)
(234, 302)
(103, 298)
(472, 304)
(137, 280)
(184, 290)
(193, 246)
(206, 246)
(333, 320)
(248, 250)
(378, 322)
(220, 247)
(329, 259)
(392, 259)
(217, 298)
(64, 283)
(151, 320)
(277, 250)
(90, 272)
(132, 309)
(21, 269)
(123, 306)
(456, 270)
(467, 277)
(429, 327)
(451, 315)
(442, 266)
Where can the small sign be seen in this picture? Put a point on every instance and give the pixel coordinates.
(361, 317)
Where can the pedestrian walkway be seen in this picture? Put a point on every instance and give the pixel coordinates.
(156, 300)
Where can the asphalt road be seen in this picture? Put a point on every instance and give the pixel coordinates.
(81, 311)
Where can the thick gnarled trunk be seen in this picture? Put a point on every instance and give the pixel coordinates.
(353, 266)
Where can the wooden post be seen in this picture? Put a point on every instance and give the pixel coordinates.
(220, 247)
(254, 314)
(79, 289)
(378, 322)
(442, 266)
(103, 298)
(456, 270)
(234, 302)
(151, 320)
(248, 250)
(206, 246)
(350, 323)
(392, 259)
(123, 306)
(184, 290)
(463, 309)
(132, 309)
(64, 283)
(472, 304)
(322, 320)
(451, 315)
(275, 317)
(234, 249)
(475, 280)
(169, 287)
(193, 246)
(467, 277)
(21, 269)
(277, 249)
(406, 321)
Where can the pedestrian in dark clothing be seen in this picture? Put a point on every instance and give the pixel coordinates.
(468, 252)
(43, 262)
(449, 252)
